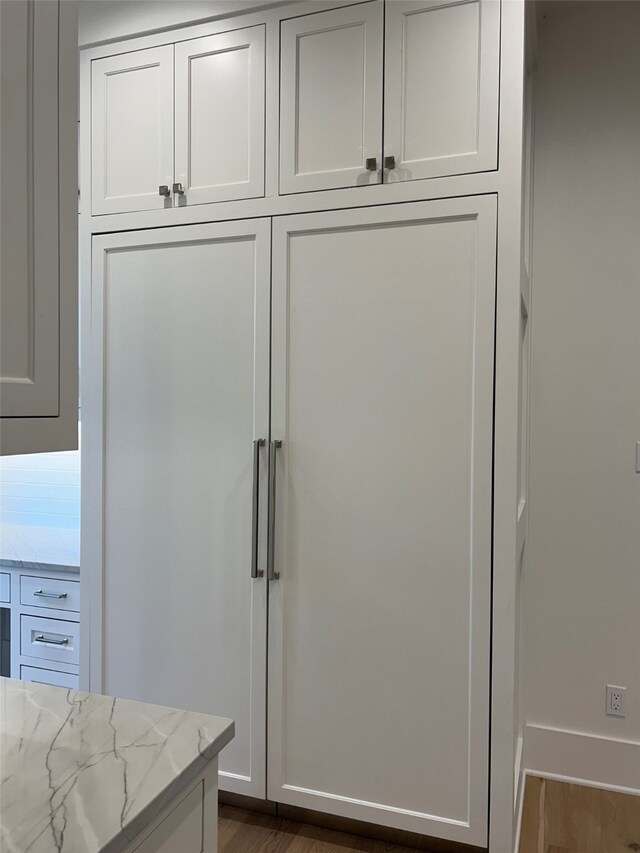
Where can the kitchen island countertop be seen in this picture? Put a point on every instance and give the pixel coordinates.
(83, 773)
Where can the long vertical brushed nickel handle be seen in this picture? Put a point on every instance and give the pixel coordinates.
(255, 572)
(272, 575)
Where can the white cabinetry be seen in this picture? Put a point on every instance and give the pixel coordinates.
(180, 331)
(217, 137)
(220, 116)
(132, 125)
(38, 232)
(380, 531)
(382, 395)
(40, 675)
(331, 99)
(441, 87)
(5, 587)
(44, 623)
(440, 69)
(323, 443)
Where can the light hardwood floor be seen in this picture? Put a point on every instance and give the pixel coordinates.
(241, 831)
(557, 818)
(562, 818)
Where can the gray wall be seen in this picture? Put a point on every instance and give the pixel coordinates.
(583, 586)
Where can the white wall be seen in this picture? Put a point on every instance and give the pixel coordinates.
(106, 20)
(583, 584)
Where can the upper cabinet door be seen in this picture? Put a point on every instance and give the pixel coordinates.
(441, 87)
(132, 131)
(220, 96)
(38, 227)
(331, 99)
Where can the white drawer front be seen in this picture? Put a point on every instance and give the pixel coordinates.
(5, 587)
(49, 676)
(58, 593)
(49, 639)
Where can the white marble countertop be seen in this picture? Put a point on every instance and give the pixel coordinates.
(42, 548)
(82, 773)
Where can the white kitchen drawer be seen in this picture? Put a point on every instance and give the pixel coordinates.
(49, 676)
(5, 587)
(49, 639)
(58, 593)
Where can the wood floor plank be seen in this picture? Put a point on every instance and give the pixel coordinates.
(532, 827)
(241, 831)
(581, 819)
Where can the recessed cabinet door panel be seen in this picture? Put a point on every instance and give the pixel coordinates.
(441, 87)
(29, 239)
(331, 98)
(132, 130)
(220, 99)
(180, 332)
(379, 623)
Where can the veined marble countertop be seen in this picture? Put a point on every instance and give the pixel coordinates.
(43, 548)
(83, 773)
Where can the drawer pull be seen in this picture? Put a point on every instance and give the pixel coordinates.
(49, 642)
(40, 593)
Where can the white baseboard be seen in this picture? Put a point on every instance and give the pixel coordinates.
(586, 759)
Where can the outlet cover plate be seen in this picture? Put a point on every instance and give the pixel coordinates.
(615, 701)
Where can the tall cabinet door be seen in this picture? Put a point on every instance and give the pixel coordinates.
(132, 131)
(382, 383)
(331, 99)
(38, 227)
(176, 395)
(220, 98)
(441, 87)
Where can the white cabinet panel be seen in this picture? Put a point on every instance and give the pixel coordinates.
(5, 587)
(181, 829)
(49, 676)
(379, 624)
(38, 226)
(53, 593)
(180, 332)
(441, 87)
(132, 130)
(220, 97)
(49, 639)
(331, 98)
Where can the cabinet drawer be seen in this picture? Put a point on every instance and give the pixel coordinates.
(5, 587)
(49, 639)
(49, 676)
(58, 593)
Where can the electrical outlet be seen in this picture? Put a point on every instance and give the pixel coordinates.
(615, 700)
